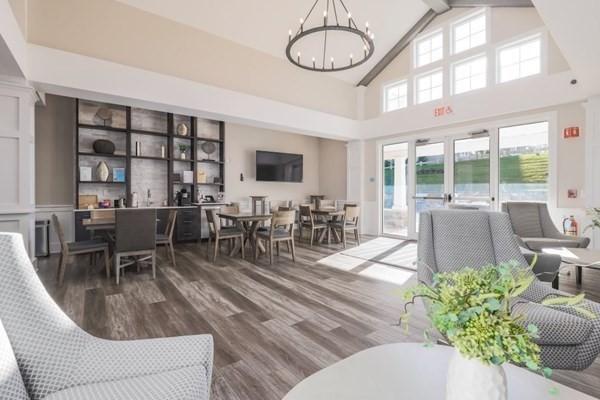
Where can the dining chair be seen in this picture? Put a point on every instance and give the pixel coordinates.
(325, 203)
(166, 239)
(348, 223)
(217, 232)
(135, 239)
(68, 249)
(233, 208)
(281, 230)
(307, 221)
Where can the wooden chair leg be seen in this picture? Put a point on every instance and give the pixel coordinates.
(255, 244)
(312, 236)
(344, 237)
(172, 250)
(208, 248)
(357, 236)
(117, 266)
(59, 266)
(242, 246)
(106, 263)
(61, 269)
(153, 264)
(277, 245)
(270, 252)
(216, 251)
(293, 250)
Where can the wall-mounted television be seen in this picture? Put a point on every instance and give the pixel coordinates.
(278, 167)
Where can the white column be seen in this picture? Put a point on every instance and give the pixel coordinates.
(17, 161)
(592, 161)
(355, 173)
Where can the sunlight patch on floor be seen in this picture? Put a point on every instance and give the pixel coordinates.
(387, 274)
(404, 257)
(341, 261)
(373, 248)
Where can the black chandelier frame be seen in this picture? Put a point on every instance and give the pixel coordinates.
(366, 37)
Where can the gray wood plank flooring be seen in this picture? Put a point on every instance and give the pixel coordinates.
(272, 325)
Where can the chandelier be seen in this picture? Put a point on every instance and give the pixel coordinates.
(337, 20)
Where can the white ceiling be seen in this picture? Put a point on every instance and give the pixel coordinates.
(263, 25)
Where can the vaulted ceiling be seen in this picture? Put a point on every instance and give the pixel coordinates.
(263, 25)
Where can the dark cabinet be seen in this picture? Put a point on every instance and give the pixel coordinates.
(187, 227)
(81, 233)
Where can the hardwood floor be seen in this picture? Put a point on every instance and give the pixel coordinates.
(272, 325)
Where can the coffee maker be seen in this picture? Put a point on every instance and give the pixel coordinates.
(184, 198)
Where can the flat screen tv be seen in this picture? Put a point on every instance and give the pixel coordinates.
(278, 167)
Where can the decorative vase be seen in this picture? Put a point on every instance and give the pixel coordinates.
(102, 171)
(182, 155)
(473, 380)
(103, 146)
(182, 129)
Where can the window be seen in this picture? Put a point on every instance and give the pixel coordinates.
(524, 162)
(429, 49)
(469, 33)
(429, 86)
(470, 74)
(395, 96)
(520, 59)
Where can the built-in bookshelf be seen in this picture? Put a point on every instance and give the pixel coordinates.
(157, 151)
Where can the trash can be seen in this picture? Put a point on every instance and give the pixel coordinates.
(42, 238)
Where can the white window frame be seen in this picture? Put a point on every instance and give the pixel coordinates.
(466, 60)
(539, 34)
(416, 85)
(387, 86)
(486, 13)
(426, 36)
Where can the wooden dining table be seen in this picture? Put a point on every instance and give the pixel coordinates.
(331, 214)
(249, 223)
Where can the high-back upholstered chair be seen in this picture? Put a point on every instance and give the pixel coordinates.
(531, 222)
(453, 239)
(59, 361)
(135, 233)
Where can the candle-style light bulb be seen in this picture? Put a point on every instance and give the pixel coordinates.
(367, 25)
(290, 35)
(301, 24)
(365, 50)
(349, 20)
(351, 58)
(372, 36)
(314, 62)
(298, 57)
(325, 17)
(331, 62)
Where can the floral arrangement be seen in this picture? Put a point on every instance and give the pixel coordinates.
(594, 214)
(472, 308)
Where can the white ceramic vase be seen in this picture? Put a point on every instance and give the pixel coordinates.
(102, 171)
(474, 380)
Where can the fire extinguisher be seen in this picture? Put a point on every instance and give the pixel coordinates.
(570, 226)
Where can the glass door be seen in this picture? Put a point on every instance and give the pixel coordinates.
(430, 178)
(395, 205)
(471, 172)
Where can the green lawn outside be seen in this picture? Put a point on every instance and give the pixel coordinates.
(528, 168)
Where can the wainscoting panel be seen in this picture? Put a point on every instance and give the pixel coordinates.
(65, 217)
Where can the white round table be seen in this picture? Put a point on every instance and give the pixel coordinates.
(410, 371)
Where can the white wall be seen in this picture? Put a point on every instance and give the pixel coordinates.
(17, 179)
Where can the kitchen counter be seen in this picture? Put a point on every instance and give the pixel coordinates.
(134, 208)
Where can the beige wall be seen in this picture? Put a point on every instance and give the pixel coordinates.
(506, 23)
(332, 168)
(54, 158)
(321, 175)
(19, 8)
(570, 154)
(113, 31)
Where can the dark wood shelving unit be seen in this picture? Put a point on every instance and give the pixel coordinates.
(172, 139)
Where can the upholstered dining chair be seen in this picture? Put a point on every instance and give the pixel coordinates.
(280, 230)
(69, 249)
(307, 220)
(453, 239)
(348, 223)
(166, 239)
(218, 233)
(135, 239)
(325, 203)
(57, 360)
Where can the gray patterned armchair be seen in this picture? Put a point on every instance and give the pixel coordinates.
(532, 224)
(454, 239)
(46, 356)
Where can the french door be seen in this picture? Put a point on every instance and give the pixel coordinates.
(420, 175)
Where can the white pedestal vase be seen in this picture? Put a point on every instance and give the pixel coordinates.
(474, 380)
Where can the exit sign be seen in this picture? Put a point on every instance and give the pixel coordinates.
(442, 111)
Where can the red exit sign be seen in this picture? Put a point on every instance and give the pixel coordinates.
(571, 132)
(441, 111)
